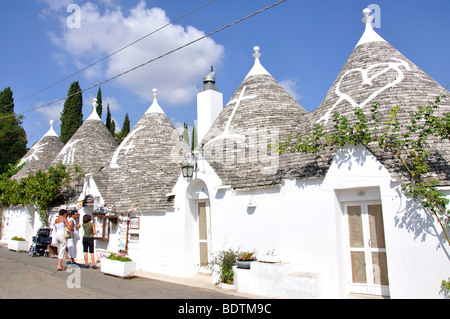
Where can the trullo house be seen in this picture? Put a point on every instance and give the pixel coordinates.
(325, 225)
(21, 221)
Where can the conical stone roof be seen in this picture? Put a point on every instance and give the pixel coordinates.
(146, 165)
(90, 147)
(41, 155)
(377, 72)
(259, 112)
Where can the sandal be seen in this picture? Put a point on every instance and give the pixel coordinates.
(60, 269)
(94, 267)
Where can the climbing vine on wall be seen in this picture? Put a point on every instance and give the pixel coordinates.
(406, 139)
(41, 189)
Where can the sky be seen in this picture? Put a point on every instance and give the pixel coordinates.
(304, 44)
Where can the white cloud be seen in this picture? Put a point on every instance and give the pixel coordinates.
(51, 112)
(292, 87)
(177, 76)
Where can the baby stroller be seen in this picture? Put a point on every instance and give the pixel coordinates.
(39, 245)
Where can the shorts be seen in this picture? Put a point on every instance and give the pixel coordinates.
(88, 245)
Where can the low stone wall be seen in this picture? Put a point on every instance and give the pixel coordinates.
(276, 280)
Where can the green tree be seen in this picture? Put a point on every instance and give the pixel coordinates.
(125, 129)
(108, 118)
(185, 134)
(194, 141)
(6, 101)
(112, 128)
(13, 139)
(72, 114)
(99, 102)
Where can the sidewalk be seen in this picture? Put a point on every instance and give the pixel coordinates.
(198, 281)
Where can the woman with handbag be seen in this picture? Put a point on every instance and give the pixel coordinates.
(61, 224)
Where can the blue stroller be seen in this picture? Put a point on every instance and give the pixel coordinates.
(40, 242)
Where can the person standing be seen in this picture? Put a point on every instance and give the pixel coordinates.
(88, 240)
(72, 242)
(59, 224)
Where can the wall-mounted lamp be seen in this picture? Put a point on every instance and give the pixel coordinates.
(189, 169)
(79, 188)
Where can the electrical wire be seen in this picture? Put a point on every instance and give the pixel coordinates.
(154, 59)
(113, 53)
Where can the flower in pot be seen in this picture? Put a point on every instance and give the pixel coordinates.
(17, 244)
(244, 259)
(119, 257)
(118, 265)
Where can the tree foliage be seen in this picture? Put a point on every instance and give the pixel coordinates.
(99, 108)
(13, 139)
(41, 188)
(72, 113)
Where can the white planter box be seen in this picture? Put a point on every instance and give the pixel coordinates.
(118, 268)
(17, 245)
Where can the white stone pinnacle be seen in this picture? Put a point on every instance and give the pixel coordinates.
(369, 34)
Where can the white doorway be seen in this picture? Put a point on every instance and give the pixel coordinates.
(368, 271)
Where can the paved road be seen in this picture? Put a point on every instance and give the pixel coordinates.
(22, 276)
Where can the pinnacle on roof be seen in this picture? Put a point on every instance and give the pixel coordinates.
(257, 69)
(369, 34)
(51, 131)
(209, 81)
(377, 72)
(41, 155)
(155, 108)
(94, 114)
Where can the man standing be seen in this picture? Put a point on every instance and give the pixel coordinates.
(72, 242)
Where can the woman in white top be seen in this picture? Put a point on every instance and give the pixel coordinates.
(60, 223)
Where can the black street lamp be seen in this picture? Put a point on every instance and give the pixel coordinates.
(188, 171)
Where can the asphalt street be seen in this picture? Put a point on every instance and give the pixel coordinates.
(23, 276)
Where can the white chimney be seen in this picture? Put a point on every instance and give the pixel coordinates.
(209, 105)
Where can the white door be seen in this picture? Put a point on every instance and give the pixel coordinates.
(204, 235)
(369, 273)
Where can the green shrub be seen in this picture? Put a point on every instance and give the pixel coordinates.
(226, 259)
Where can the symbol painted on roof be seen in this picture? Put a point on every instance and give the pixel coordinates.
(125, 145)
(226, 132)
(367, 82)
(38, 148)
(69, 152)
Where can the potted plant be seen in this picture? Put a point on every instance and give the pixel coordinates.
(17, 244)
(244, 259)
(222, 267)
(118, 265)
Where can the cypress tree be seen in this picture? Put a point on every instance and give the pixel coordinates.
(6, 101)
(194, 141)
(99, 102)
(108, 118)
(13, 138)
(72, 114)
(125, 127)
(112, 128)
(185, 134)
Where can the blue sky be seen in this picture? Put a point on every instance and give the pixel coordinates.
(304, 44)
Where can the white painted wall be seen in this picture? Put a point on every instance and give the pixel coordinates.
(18, 222)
